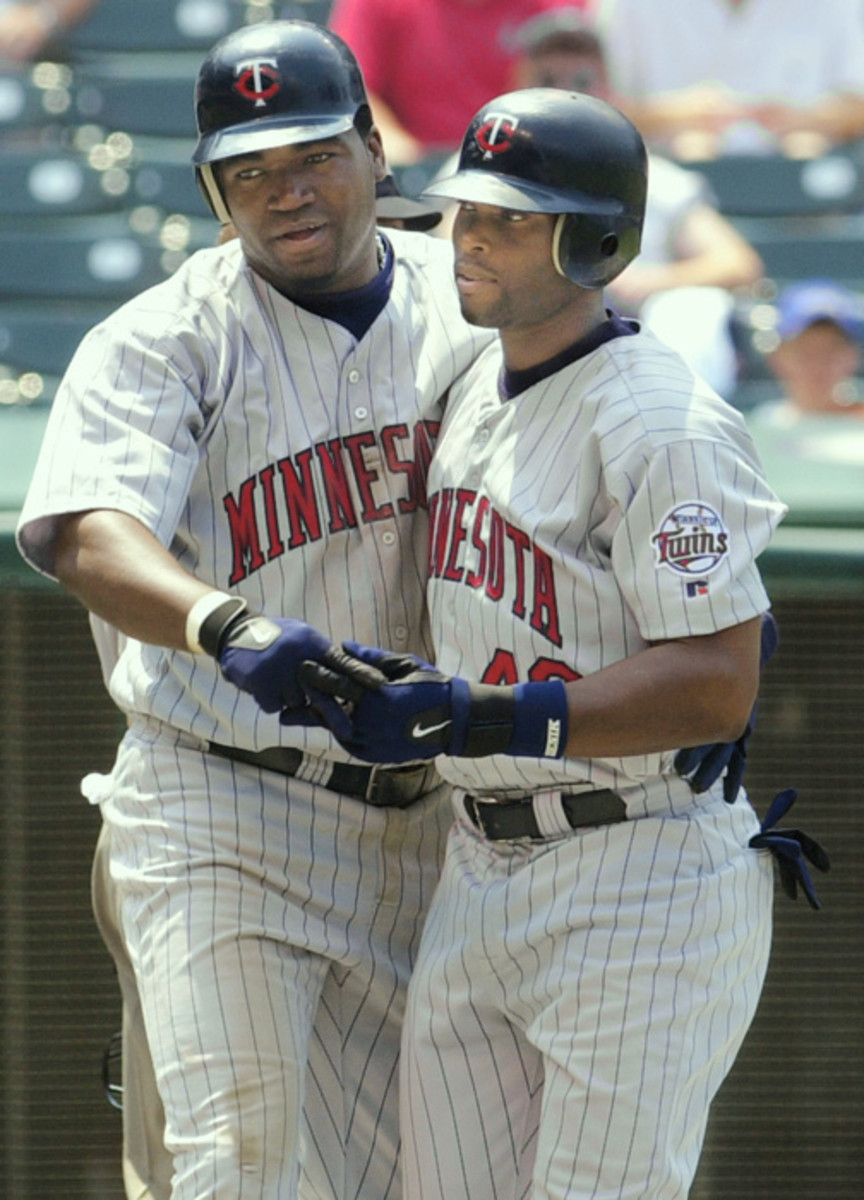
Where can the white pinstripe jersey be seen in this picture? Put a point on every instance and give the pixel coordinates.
(278, 457)
(617, 502)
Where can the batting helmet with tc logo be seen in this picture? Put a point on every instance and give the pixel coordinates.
(551, 151)
(273, 84)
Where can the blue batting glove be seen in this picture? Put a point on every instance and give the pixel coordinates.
(261, 656)
(412, 711)
(792, 850)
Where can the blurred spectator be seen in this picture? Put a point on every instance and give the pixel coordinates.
(818, 359)
(431, 64)
(706, 77)
(811, 438)
(27, 28)
(691, 257)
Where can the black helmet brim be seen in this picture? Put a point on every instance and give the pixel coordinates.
(519, 195)
(268, 134)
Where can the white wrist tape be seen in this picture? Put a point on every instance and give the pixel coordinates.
(198, 614)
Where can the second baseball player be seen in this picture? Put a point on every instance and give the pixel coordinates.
(597, 945)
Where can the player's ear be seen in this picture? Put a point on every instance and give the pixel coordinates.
(375, 146)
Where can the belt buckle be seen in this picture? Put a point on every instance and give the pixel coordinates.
(396, 787)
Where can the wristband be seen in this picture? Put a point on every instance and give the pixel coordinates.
(525, 721)
(208, 619)
(540, 720)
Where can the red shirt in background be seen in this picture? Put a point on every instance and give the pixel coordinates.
(436, 62)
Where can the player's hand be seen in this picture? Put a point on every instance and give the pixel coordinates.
(407, 710)
(260, 655)
(702, 766)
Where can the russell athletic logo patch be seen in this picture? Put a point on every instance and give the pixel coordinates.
(691, 540)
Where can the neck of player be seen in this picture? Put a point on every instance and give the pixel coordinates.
(527, 343)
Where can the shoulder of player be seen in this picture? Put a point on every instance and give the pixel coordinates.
(634, 398)
(423, 251)
(642, 393)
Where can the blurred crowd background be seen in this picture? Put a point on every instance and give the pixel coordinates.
(753, 111)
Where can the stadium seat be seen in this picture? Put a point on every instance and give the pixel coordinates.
(42, 336)
(36, 182)
(34, 98)
(799, 248)
(37, 341)
(156, 25)
(138, 93)
(161, 173)
(94, 258)
(316, 11)
(776, 186)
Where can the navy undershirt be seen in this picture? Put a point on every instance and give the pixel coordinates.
(357, 309)
(511, 383)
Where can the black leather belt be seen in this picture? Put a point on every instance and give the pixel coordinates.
(512, 819)
(385, 787)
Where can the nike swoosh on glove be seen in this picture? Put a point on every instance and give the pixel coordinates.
(410, 711)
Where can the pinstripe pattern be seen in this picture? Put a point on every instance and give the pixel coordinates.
(206, 393)
(267, 920)
(236, 934)
(584, 466)
(623, 965)
(577, 1002)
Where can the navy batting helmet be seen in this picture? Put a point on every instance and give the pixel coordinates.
(551, 151)
(273, 84)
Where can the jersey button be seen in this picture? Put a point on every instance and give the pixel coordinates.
(361, 413)
(353, 376)
(400, 633)
(388, 537)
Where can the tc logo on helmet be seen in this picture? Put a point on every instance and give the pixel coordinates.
(496, 133)
(257, 79)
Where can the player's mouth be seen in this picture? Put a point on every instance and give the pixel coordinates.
(301, 235)
(470, 279)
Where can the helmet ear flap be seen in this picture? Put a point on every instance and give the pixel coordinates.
(209, 187)
(592, 250)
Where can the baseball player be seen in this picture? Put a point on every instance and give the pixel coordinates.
(597, 945)
(237, 452)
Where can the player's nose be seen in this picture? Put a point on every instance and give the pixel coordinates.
(290, 191)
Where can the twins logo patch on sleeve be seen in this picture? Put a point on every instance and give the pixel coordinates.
(691, 540)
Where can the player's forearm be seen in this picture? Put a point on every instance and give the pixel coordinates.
(674, 694)
(120, 572)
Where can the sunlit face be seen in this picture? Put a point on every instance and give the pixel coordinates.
(816, 364)
(505, 274)
(571, 70)
(305, 214)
